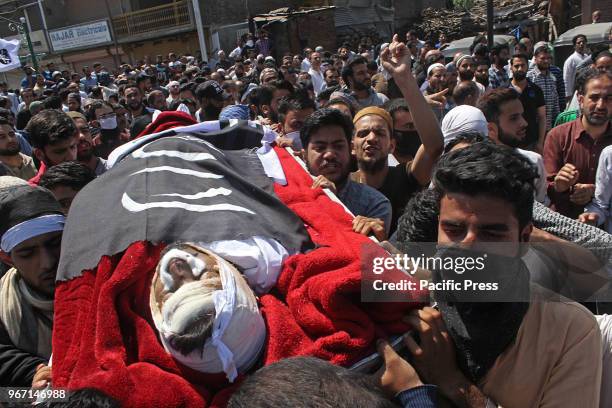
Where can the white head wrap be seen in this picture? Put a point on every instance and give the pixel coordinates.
(434, 66)
(461, 119)
(239, 331)
(461, 58)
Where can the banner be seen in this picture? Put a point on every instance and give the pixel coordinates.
(80, 36)
(9, 58)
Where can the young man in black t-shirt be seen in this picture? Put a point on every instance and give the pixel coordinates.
(373, 139)
(534, 105)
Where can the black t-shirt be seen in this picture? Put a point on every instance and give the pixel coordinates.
(399, 187)
(531, 98)
(23, 117)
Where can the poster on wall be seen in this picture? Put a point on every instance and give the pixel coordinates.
(80, 36)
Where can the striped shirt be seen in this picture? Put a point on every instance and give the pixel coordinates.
(548, 84)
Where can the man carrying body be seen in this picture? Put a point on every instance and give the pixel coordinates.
(326, 136)
(54, 139)
(485, 194)
(373, 140)
(31, 224)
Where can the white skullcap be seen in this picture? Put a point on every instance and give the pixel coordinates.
(434, 66)
(461, 58)
(462, 119)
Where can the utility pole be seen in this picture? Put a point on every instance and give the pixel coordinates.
(198, 20)
(112, 30)
(26, 32)
(490, 23)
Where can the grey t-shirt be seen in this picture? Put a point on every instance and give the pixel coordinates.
(366, 201)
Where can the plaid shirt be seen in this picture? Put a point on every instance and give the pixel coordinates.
(558, 73)
(498, 78)
(548, 84)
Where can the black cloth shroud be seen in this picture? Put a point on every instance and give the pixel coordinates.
(199, 187)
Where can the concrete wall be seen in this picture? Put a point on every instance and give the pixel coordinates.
(308, 30)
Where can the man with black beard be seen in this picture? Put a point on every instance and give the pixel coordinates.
(133, 99)
(466, 66)
(85, 148)
(479, 350)
(331, 77)
(18, 164)
(101, 115)
(482, 72)
(534, 105)
(326, 136)
(507, 126)
(265, 100)
(373, 138)
(357, 79)
(211, 96)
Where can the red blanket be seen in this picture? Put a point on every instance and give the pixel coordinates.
(104, 337)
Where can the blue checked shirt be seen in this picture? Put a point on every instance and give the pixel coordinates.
(498, 78)
(558, 73)
(548, 84)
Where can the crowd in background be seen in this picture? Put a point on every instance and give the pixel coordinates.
(399, 117)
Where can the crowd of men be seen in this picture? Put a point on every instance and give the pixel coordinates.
(498, 144)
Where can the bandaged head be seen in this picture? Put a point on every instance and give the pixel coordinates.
(198, 295)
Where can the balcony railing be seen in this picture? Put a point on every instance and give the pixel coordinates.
(158, 18)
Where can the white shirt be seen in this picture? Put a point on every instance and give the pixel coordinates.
(318, 82)
(306, 65)
(569, 70)
(235, 53)
(540, 183)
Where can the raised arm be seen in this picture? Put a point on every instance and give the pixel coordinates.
(396, 60)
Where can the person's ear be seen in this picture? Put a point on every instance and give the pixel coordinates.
(40, 155)
(353, 153)
(580, 99)
(266, 110)
(525, 233)
(393, 144)
(492, 127)
(6, 258)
